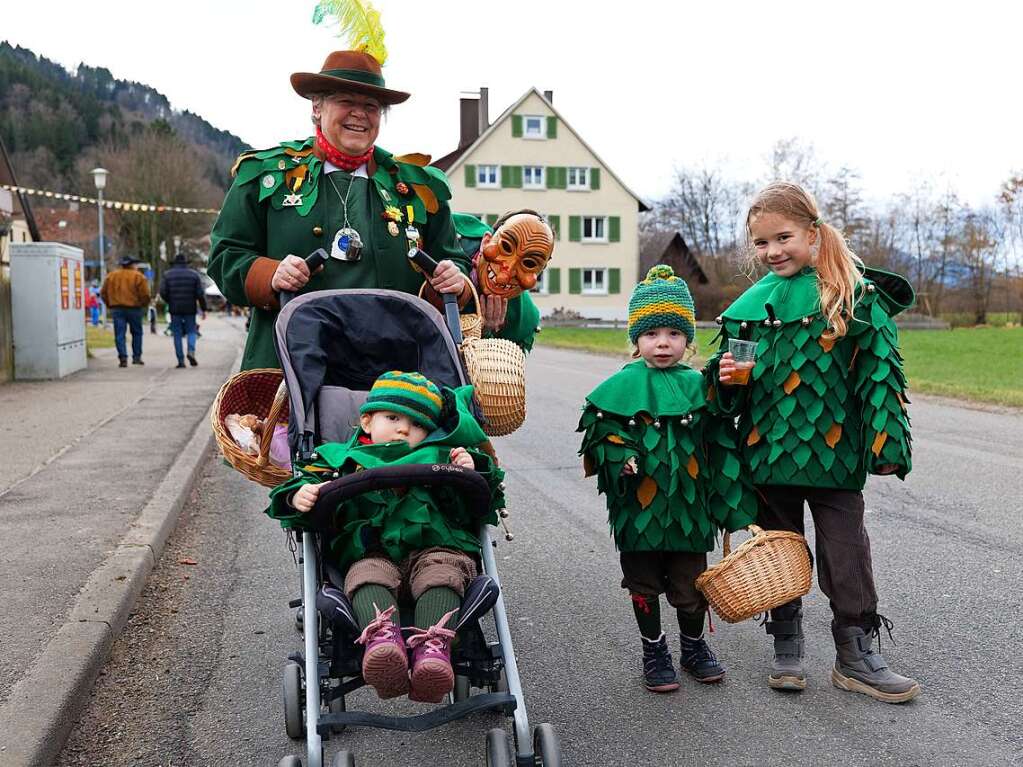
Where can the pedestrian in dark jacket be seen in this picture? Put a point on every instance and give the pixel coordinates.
(181, 289)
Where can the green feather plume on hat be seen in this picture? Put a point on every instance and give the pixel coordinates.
(359, 22)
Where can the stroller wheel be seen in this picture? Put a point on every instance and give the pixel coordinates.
(290, 761)
(462, 688)
(293, 723)
(501, 685)
(498, 751)
(546, 746)
(337, 706)
(343, 759)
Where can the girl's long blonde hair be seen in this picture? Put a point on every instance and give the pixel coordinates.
(837, 274)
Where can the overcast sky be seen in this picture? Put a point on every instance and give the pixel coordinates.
(900, 91)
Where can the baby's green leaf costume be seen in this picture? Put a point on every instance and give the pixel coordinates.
(690, 481)
(392, 522)
(816, 411)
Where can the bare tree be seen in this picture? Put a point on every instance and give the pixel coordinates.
(156, 168)
(979, 248)
(795, 160)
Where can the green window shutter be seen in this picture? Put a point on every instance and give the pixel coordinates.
(491, 219)
(562, 178)
(553, 280)
(515, 176)
(505, 176)
(470, 175)
(555, 222)
(575, 228)
(594, 178)
(552, 177)
(575, 280)
(516, 126)
(614, 281)
(552, 127)
(615, 229)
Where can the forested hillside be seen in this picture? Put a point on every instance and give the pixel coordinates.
(50, 118)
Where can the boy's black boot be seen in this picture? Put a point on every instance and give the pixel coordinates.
(697, 659)
(658, 671)
(786, 626)
(859, 669)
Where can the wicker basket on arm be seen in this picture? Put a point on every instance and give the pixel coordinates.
(262, 393)
(767, 571)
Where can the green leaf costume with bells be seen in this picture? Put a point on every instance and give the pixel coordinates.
(819, 412)
(282, 202)
(394, 522)
(690, 481)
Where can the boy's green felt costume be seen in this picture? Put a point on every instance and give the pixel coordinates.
(399, 523)
(522, 319)
(259, 224)
(690, 481)
(818, 412)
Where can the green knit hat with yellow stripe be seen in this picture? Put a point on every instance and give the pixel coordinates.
(413, 394)
(662, 300)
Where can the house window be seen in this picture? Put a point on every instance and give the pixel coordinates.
(532, 177)
(532, 126)
(594, 229)
(595, 281)
(486, 176)
(542, 285)
(578, 178)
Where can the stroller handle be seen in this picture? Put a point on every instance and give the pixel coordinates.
(314, 261)
(466, 482)
(428, 266)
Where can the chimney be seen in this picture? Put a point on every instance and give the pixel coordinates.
(469, 120)
(549, 95)
(484, 109)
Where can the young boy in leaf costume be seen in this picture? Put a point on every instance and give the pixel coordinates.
(668, 466)
(415, 541)
(825, 406)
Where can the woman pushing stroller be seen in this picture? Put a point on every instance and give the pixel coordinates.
(411, 543)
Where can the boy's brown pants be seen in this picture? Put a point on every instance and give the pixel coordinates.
(843, 547)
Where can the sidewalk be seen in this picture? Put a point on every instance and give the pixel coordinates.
(92, 464)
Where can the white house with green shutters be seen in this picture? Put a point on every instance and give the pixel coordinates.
(531, 158)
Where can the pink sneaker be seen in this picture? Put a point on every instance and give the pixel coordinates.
(432, 675)
(385, 662)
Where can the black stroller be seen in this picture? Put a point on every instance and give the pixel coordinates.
(332, 346)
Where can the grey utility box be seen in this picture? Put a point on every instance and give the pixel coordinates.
(47, 303)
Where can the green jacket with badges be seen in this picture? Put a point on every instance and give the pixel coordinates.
(690, 482)
(819, 412)
(281, 203)
(399, 523)
(522, 319)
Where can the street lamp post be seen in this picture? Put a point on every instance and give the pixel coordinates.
(99, 176)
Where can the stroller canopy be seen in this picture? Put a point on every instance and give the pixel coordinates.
(347, 338)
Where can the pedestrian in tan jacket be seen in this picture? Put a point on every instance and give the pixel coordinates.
(125, 292)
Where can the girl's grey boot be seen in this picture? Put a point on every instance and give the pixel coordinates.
(859, 669)
(786, 626)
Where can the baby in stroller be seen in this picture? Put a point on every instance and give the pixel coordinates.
(409, 543)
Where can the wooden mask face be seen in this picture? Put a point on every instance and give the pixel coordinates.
(514, 256)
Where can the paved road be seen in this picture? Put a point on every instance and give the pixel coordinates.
(196, 678)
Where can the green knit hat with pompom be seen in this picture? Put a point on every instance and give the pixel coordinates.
(662, 300)
(413, 394)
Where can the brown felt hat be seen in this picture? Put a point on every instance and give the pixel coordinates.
(353, 71)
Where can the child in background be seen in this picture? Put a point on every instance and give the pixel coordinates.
(415, 542)
(668, 467)
(825, 405)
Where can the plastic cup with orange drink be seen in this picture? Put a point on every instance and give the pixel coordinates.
(745, 355)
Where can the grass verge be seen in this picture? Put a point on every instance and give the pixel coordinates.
(982, 364)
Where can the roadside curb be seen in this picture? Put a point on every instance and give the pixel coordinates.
(45, 703)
